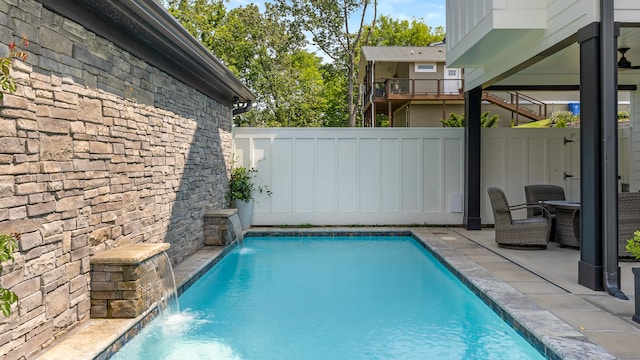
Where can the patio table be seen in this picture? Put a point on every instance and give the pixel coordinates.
(567, 222)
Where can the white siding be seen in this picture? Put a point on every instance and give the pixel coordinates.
(510, 32)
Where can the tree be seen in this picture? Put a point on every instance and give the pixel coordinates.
(332, 30)
(199, 17)
(266, 51)
(390, 32)
(336, 111)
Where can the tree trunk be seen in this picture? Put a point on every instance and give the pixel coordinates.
(352, 107)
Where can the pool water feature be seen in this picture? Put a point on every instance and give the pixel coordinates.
(329, 298)
(165, 289)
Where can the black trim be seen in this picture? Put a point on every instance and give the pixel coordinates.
(145, 29)
(472, 159)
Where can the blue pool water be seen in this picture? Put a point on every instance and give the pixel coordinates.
(329, 298)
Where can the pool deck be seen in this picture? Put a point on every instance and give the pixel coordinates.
(539, 289)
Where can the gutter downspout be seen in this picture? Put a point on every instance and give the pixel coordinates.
(373, 89)
(609, 126)
(244, 109)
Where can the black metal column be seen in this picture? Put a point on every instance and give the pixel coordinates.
(590, 264)
(598, 160)
(472, 191)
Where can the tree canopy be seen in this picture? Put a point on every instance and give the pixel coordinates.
(273, 53)
(392, 32)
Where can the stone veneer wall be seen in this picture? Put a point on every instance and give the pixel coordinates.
(97, 149)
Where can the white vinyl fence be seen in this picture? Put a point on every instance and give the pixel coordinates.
(398, 176)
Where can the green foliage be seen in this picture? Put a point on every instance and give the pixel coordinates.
(266, 50)
(269, 51)
(199, 17)
(633, 245)
(7, 81)
(8, 245)
(562, 118)
(241, 185)
(457, 120)
(335, 28)
(336, 111)
(623, 115)
(391, 32)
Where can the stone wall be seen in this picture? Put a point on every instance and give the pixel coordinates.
(97, 149)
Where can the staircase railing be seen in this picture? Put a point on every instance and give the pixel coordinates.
(519, 103)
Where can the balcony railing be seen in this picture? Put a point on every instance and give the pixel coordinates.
(417, 88)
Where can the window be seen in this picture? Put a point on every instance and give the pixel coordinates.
(453, 72)
(425, 67)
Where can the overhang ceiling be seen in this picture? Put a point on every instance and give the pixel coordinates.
(563, 67)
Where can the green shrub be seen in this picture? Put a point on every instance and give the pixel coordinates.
(457, 120)
(563, 118)
(241, 186)
(633, 245)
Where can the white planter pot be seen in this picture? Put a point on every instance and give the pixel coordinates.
(245, 212)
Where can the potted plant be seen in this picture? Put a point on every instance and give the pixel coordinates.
(241, 193)
(633, 246)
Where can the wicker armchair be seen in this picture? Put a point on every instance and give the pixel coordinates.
(536, 193)
(628, 220)
(529, 233)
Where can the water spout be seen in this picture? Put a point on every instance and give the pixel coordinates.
(165, 290)
(235, 230)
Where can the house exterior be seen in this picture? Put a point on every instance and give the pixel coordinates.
(560, 46)
(411, 85)
(119, 133)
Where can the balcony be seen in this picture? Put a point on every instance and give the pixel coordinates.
(417, 89)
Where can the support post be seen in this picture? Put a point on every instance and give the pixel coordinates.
(590, 265)
(472, 132)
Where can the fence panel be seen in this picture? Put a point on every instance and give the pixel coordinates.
(355, 176)
(400, 176)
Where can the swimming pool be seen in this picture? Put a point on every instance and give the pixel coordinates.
(329, 298)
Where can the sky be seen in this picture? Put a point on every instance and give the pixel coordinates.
(431, 11)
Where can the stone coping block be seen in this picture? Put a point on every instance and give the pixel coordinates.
(221, 213)
(129, 254)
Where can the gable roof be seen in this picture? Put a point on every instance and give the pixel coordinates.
(404, 53)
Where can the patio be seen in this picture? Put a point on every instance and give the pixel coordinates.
(550, 279)
(546, 278)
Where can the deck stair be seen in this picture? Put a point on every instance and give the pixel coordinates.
(518, 103)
